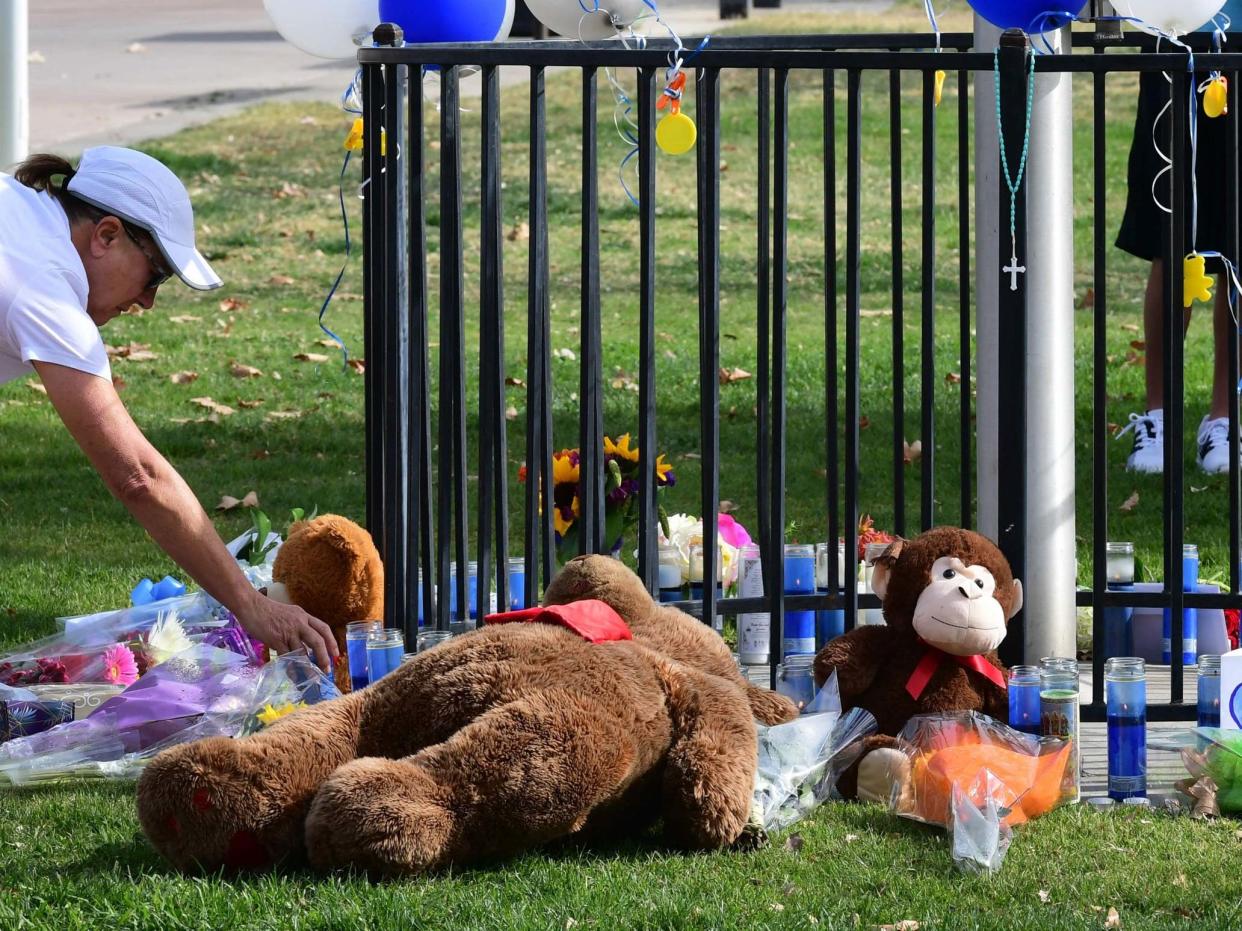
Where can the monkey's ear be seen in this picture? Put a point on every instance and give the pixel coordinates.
(882, 565)
(1017, 600)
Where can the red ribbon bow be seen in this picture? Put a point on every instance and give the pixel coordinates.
(933, 657)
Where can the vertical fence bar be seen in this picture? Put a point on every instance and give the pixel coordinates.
(708, 88)
(928, 391)
(763, 388)
(373, 182)
(774, 554)
(1099, 431)
(966, 436)
(1232, 250)
(538, 466)
(898, 292)
(1173, 385)
(647, 552)
(853, 303)
(492, 453)
(832, 424)
(1011, 459)
(419, 413)
(452, 343)
(397, 381)
(591, 419)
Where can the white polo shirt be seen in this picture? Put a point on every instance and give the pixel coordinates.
(42, 289)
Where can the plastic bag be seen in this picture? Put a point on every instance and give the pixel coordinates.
(980, 840)
(948, 749)
(800, 761)
(1213, 761)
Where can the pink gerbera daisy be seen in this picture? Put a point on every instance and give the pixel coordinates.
(120, 667)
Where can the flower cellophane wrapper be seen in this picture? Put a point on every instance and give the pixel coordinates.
(800, 761)
(201, 692)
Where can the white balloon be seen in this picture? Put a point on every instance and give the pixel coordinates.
(567, 17)
(506, 25)
(324, 28)
(1171, 17)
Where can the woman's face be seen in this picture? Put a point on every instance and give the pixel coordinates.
(122, 269)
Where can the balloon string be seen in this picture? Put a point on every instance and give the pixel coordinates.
(1046, 22)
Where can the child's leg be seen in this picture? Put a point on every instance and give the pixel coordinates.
(1223, 391)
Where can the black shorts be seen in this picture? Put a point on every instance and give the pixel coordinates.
(1145, 227)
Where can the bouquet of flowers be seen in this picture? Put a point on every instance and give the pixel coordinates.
(621, 472)
(684, 531)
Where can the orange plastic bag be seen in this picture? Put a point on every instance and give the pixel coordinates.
(1021, 774)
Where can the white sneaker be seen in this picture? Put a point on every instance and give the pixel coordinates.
(1213, 441)
(1148, 454)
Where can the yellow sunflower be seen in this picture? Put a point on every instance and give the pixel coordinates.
(662, 469)
(564, 470)
(620, 448)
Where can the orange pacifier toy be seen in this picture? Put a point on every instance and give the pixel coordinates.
(676, 132)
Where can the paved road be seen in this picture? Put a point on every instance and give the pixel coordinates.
(127, 70)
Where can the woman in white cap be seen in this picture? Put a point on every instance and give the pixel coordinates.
(76, 249)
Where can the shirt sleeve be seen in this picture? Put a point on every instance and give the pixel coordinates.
(47, 323)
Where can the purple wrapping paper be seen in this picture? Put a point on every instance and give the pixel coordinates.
(23, 718)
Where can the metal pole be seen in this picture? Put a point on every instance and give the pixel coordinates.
(1049, 570)
(14, 83)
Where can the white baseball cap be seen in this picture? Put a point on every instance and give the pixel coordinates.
(142, 191)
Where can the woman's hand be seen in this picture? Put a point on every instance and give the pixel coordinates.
(286, 627)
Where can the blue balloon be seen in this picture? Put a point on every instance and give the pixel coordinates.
(1021, 14)
(447, 21)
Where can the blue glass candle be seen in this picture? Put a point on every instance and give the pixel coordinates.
(1024, 699)
(1209, 691)
(1119, 621)
(377, 655)
(356, 634)
(394, 649)
(670, 574)
(829, 624)
(517, 583)
(1125, 688)
(1190, 616)
(799, 627)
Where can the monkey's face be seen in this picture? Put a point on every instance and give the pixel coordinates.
(958, 611)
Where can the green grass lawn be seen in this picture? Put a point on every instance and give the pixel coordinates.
(264, 184)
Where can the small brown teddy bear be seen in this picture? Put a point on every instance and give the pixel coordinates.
(490, 744)
(329, 567)
(948, 597)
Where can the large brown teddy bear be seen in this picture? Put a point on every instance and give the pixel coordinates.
(948, 597)
(329, 567)
(495, 742)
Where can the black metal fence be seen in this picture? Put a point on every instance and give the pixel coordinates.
(419, 500)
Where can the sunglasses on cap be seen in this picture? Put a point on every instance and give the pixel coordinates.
(158, 273)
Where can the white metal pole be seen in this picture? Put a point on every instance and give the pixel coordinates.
(14, 83)
(1051, 567)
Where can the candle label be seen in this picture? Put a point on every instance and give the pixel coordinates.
(754, 630)
(1059, 717)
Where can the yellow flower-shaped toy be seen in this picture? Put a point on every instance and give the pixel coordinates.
(270, 715)
(1196, 284)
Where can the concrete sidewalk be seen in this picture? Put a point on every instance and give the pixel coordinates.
(128, 70)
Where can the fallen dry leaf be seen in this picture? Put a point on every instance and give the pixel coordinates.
(908, 924)
(358, 365)
(227, 503)
(952, 378)
(570, 923)
(729, 376)
(566, 353)
(1138, 344)
(912, 451)
(1131, 502)
(1113, 920)
(519, 233)
(119, 383)
(237, 370)
(250, 405)
(875, 313)
(1130, 327)
(280, 280)
(330, 343)
(510, 413)
(727, 506)
(515, 382)
(289, 189)
(691, 456)
(251, 500)
(185, 318)
(864, 422)
(214, 406)
(260, 454)
(182, 378)
(1044, 895)
(230, 304)
(850, 838)
(311, 357)
(794, 842)
(282, 415)
(777, 907)
(1134, 358)
(36, 386)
